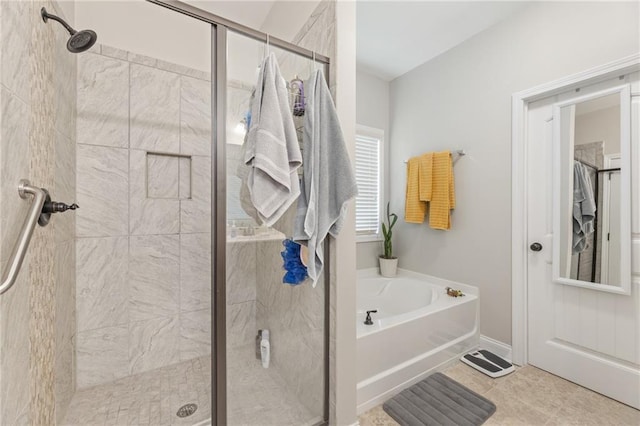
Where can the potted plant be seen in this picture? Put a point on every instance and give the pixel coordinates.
(388, 262)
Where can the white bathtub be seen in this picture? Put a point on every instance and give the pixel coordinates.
(417, 329)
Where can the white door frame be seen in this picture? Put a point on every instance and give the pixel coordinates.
(519, 208)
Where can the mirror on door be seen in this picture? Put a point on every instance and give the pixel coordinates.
(592, 202)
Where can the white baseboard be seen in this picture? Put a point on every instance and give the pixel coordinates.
(495, 346)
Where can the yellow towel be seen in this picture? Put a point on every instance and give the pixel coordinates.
(443, 197)
(424, 176)
(414, 209)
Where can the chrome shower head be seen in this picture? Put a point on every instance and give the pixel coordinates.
(79, 40)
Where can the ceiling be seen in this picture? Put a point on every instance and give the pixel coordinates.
(393, 37)
(278, 18)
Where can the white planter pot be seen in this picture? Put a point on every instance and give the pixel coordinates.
(388, 267)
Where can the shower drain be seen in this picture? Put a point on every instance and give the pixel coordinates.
(187, 410)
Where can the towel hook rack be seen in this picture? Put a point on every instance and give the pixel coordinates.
(458, 152)
(266, 47)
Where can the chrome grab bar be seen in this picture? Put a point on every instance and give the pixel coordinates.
(22, 244)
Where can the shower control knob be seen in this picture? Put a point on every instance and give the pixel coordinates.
(536, 246)
(49, 207)
(57, 207)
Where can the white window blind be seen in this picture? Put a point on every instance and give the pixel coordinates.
(369, 178)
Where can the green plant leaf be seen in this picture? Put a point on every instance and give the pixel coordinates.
(395, 219)
(392, 218)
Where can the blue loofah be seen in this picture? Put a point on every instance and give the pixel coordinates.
(296, 271)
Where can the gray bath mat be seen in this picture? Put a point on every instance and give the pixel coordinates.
(439, 400)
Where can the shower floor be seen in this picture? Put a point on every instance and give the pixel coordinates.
(256, 396)
(150, 398)
(259, 396)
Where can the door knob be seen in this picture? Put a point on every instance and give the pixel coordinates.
(536, 246)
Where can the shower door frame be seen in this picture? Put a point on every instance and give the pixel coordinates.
(219, 29)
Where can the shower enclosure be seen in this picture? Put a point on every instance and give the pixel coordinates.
(292, 389)
(164, 280)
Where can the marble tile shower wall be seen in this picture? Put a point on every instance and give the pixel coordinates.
(295, 317)
(242, 275)
(144, 187)
(317, 34)
(37, 121)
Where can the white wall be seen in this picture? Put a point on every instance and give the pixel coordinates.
(602, 125)
(372, 110)
(462, 99)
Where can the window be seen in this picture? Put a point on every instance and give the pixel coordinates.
(369, 150)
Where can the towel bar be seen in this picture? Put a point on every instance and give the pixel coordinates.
(458, 152)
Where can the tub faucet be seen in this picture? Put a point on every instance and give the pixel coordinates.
(367, 320)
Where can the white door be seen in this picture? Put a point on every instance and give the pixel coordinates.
(580, 333)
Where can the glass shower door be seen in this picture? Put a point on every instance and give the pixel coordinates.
(289, 389)
(143, 155)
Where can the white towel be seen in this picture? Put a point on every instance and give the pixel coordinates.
(584, 207)
(271, 149)
(328, 179)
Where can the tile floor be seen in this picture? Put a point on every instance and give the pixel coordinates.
(150, 398)
(257, 396)
(260, 397)
(531, 396)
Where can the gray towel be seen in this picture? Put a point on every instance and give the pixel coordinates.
(584, 207)
(271, 149)
(328, 181)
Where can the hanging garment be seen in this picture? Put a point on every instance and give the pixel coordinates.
(418, 190)
(285, 223)
(443, 197)
(271, 148)
(430, 180)
(328, 181)
(584, 207)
